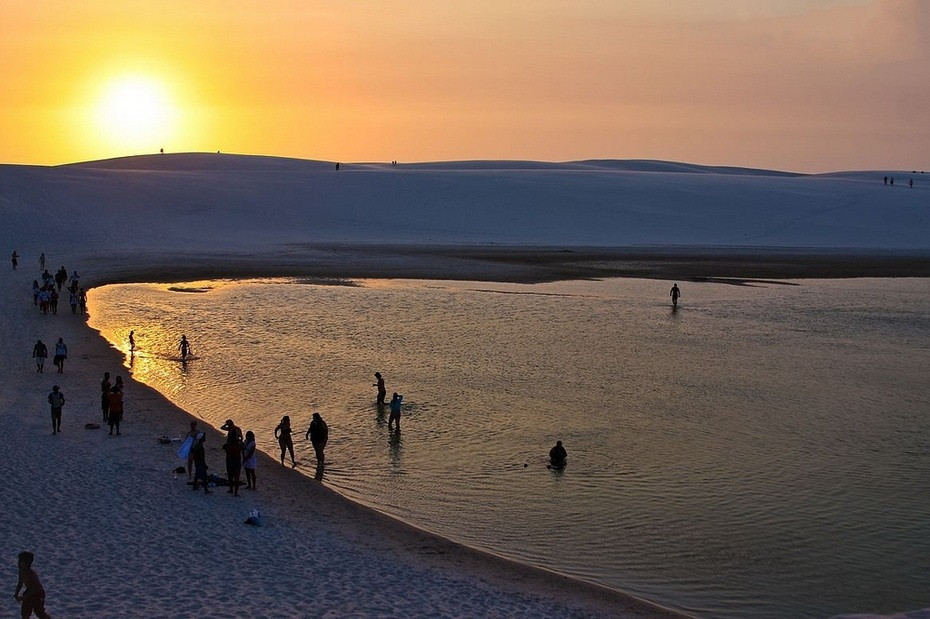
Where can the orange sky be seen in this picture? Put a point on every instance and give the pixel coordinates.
(787, 84)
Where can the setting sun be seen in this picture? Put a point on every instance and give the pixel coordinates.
(136, 113)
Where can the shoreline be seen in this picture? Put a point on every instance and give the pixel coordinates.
(516, 264)
(294, 505)
(106, 526)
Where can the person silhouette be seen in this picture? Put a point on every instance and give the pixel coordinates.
(382, 392)
(185, 347)
(674, 293)
(396, 403)
(558, 456)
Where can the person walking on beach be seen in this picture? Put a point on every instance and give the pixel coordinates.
(15, 259)
(115, 414)
(200, 463)
(61, 276)
(105, 396)
(382, 392)
(318, 433)
(40, 354)
(61, 353)
(32, 599)
(42, 261)
(558, 456)
(249, 460)
(396, 401)
(35, 292)
(674, 293)
(282, 432)
(56, 400)
(185, 348)
(233, 448)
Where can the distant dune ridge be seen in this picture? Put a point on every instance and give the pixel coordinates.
(218, 202)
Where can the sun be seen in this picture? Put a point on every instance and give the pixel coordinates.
(136, 113)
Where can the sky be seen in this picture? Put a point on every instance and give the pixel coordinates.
(807, 86)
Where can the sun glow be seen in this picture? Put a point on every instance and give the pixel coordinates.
(136, 113)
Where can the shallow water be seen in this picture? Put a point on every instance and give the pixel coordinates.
(762, 451)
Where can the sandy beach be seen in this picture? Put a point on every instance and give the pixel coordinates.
(115, 533)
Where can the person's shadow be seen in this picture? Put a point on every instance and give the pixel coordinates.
(319, 472)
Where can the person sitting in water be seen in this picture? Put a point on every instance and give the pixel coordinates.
(558, 455)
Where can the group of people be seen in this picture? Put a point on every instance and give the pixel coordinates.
(240, 454)
(317, 432)
(396, 404)
(47, 295)
(40, 354)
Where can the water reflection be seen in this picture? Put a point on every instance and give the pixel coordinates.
(752, 456)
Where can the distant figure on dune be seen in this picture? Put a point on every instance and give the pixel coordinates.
(886, 180)
(910, 183)
(674, 293)
(56, 400)
(249, 460)
(15, 260)
(61, 353)
(33, 598)
(42, 261)
(200, 463)
(337, 166)
(382, 392)
(282, 432)
(105, 396)
(185, 347)
(396, 402)
(891, 181)
(558, 456)
(40, 354)
(318, 433)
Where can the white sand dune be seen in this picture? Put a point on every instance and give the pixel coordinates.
(116, 535)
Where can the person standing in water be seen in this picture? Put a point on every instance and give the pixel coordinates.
(185, 347)
(558, 456)
(318, 433)
(674, 293)
(382, 392)
(132, 341)
(396, 401)
(282, 432)
(56, 400)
